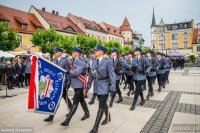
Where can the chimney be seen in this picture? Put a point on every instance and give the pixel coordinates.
(53, 11)
(43, 9)
(56, 13)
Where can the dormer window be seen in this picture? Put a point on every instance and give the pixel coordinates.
(185, 25)
(108, 29)
(114, 31)
(24, 26)
(39, 28)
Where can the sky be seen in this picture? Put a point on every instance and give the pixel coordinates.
(138, 12)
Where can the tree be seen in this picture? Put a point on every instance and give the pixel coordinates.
(87, 44)
(110, 45)
(8, 38)
(127, 48)
(68, 42)
(47, 40)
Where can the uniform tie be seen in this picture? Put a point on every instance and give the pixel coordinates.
(97, 62)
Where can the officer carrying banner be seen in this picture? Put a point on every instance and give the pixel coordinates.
(63, 63)
(77, 72)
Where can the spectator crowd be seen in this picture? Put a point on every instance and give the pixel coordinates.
(15, 72)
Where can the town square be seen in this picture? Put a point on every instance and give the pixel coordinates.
(99, 66)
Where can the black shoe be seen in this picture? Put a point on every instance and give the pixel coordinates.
(163, 86)
(97, 122)
(91, 101)
(120, 99)
(71, 113)
(49, 119)
(133, 92)
(104, 122)
(133, 105)
(142, 102)
(86, 115)
(86, 110)
(151, 94)
(128, 94)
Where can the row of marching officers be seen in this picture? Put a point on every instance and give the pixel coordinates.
(105, 74)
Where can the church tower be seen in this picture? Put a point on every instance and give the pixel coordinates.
(127, 32)
(153, 32)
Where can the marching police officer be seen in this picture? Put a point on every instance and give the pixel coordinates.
(130, 74)
(140, 67)
(125, 70)
(90, 64)
(64, 63)
(161, 71)
(169, 66)
(118, 65)
(152, 74)
(103, 76)
(78, 68)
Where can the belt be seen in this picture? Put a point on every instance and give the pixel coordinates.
(104, 78)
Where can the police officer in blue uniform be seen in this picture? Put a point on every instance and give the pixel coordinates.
(152, 74)
(161, 71)
(103, 76)
(79, 64)
(125, 70)
(118, 65)
(169, 66)
(64, 63)
(130, 79)
(94, 95)
(140, 67)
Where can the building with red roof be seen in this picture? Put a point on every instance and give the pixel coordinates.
(24, 23)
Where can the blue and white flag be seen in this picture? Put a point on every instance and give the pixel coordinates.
(46, 86)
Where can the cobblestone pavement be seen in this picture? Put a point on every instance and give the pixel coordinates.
(178, 104)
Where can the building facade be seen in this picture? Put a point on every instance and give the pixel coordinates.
(114, 33)
(196, 40)
(134, 39)
(24, 23)
(169, 37)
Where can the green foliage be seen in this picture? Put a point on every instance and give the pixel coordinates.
(8, 38)
(87, 44)
(110, 45)
(127, 48)
(192, 58)
(47, 40)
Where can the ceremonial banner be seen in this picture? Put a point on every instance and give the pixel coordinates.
(46, 85)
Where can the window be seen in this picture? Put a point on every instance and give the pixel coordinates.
(173, 37)
(185, 45)
(185, 35)
(176, 36)
(39, 28)
(198, 48)
(162, 37)
(24, 26)
(174, 45)
(185, 25)
(198, 40)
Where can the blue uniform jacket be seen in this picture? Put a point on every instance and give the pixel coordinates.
(104, 70)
